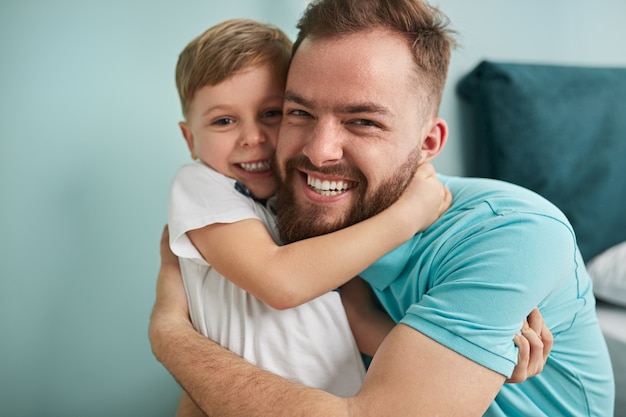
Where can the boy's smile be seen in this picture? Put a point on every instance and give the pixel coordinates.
(233, 126)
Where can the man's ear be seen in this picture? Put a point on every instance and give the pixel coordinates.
(435, 139)
(188, 135)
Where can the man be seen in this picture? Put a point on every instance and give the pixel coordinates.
(361, 106)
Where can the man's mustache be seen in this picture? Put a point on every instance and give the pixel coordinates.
(340, 169)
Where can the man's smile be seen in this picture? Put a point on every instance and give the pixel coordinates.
(328, 187)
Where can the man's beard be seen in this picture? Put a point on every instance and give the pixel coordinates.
(295, 223)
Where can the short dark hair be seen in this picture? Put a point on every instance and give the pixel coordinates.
(424, 27)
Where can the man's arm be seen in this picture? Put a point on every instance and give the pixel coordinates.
(187, 408)
(220, 382)
(410, 372)
(369, 323)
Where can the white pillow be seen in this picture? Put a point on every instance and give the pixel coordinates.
(608, 273)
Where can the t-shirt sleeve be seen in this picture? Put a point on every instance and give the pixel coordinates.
(488, 283)
(199, 197)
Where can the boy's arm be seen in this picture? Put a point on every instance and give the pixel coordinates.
(289, 275)
(368, 322)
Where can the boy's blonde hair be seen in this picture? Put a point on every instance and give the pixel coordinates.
(227, 48)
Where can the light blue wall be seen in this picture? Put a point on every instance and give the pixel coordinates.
(88, 146)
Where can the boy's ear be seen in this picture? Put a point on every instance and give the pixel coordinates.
(188, 135)
(435, 140)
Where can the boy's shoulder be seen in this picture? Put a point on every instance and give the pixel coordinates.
(199, 171)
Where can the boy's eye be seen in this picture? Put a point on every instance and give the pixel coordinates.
(223, 121)
(272, 113)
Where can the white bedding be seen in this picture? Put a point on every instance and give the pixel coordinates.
(613, 322)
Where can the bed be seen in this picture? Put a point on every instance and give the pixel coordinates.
(561, 131)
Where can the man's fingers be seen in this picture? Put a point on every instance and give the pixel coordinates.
(170, 288)
(167, 256)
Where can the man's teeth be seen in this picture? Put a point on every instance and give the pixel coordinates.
(327, 188)
(256, 166)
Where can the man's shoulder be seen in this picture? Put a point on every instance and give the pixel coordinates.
(500, 196)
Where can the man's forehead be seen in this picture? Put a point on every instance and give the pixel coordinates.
(353, 74)
(366, 51)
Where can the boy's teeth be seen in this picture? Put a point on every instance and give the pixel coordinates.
(328, 188)
(255, 166)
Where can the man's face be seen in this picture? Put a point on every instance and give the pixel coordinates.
(353, 132)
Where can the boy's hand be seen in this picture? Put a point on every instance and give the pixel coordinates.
(534, 343)
(425, 198)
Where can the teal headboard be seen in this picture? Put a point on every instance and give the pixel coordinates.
(560, 131)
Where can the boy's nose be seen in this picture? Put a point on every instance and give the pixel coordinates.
(251, 136)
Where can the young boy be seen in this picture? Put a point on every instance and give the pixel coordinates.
(272, 304)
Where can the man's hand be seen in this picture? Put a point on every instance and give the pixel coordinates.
(214, 378)
(534, 343)
(170, 306)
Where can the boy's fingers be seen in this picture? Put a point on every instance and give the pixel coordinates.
(548, 341)
(447, 200)
(535, 321)
(426, 170)
(520, 373)
(536, 359)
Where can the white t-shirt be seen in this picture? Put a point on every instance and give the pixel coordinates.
(311, 344)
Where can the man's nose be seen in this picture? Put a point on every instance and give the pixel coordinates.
(324, 144)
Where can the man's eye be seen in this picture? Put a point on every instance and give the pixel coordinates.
(299, 113)
(364, 122)
(223, 121)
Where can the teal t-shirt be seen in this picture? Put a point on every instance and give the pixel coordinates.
(470, 279)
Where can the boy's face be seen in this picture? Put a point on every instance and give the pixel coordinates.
(232, 127)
